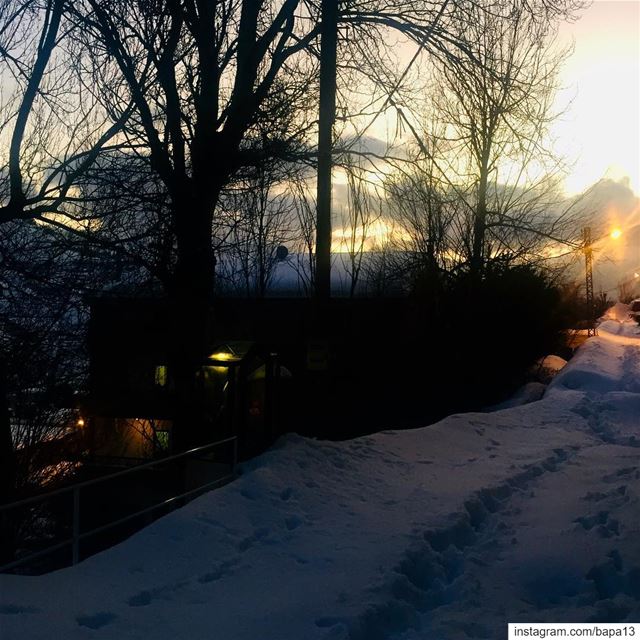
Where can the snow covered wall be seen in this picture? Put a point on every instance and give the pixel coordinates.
(527, 514)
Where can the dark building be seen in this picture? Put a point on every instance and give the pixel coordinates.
(130, 410)
(274, 365)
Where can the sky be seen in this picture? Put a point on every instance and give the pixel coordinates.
(598, 133)
(601, 131)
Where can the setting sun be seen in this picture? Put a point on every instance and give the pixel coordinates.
(616, 233)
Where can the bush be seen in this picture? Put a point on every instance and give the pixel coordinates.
(489, 331)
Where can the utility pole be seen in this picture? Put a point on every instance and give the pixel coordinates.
(588, 265)
(326, 118)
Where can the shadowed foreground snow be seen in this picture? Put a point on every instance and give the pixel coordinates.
(526, 514)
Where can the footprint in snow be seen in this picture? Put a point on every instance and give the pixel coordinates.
(249, 494)
(293, 522)
(619, 493)
(14, 609)
(141, 599)
(246, 544)
(604, 526)
(96, 620)
(256, 536)
(610, 579)
(594, 496)
(627, 472)
(328, 621)
(219, 571)
(147, 596)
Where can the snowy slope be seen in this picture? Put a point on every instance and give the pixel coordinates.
(527, 514)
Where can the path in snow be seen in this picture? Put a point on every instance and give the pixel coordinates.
(527, 514)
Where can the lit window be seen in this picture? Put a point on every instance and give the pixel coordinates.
(161, 375)
(162, 439)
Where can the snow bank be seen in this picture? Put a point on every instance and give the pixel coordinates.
(608, 362)
(618, 312)
(448, 531)
(552, 363)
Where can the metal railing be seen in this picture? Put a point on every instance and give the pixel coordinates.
(77, 536)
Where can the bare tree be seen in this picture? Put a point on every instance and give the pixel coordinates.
(259, 218)
(303, 259)
(362, 212)
(41, 320)
(423, 213)
(491, 152)
(184, 86)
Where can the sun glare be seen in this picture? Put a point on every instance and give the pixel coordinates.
(600, 131)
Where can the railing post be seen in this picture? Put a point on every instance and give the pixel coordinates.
(76, 535)
(76, 526)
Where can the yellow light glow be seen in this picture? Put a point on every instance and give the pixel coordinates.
(636, 275)
(224, 356)
(616, 233)
(80, 422)
(220, 370)
(161, 375)
(370, 238)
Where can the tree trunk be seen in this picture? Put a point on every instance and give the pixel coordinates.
(191, 302)
(480, 220)
(326, 118)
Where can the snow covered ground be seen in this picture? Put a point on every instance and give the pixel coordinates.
(530, 513)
